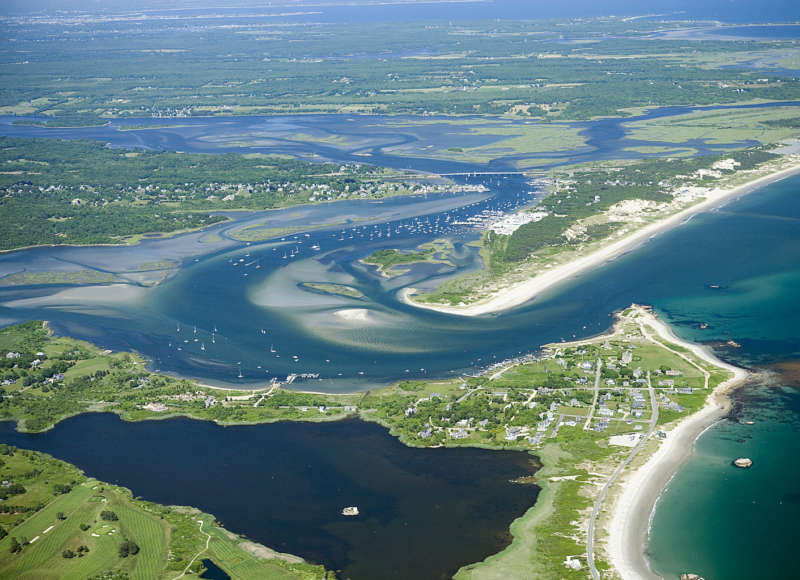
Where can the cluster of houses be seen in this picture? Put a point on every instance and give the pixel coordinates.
(508, 224)
(624, 398)
(86, 194)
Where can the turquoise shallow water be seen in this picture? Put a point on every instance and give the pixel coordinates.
(714, 519)
(724, 522)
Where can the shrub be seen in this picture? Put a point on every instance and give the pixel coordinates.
(128, 548)
(108, 516)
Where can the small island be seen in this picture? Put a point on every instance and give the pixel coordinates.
(331, 288)
(390, 262)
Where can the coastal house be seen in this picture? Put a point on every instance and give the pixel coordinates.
(512, 433)
(459, 434)
(573, 563)
(536, 439)
(601, 425)
(11, 355)
(155, 407)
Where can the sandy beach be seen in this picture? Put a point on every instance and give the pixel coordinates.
(641, 488)
(520, 293)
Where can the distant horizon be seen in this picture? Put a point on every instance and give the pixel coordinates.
(732, 11)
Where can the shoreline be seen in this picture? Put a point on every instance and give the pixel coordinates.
(518, 294)
(629, 527)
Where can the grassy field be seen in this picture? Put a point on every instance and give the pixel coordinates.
(719, 127)
(68, 526)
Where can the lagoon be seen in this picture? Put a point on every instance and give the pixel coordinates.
(424, 512)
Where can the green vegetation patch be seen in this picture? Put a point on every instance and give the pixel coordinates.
(59, 523)
(335, 289)
(58, 277)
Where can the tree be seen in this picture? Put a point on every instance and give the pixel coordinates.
(15, 546)
(108, 516)
(67, 554)
(128, 548)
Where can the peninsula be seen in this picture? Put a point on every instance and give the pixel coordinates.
(628, 224)
(610, 418)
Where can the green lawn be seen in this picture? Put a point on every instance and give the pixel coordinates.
(47, 523)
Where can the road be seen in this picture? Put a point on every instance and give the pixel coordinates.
(208, 540)
(596, 394)
(603, 492)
